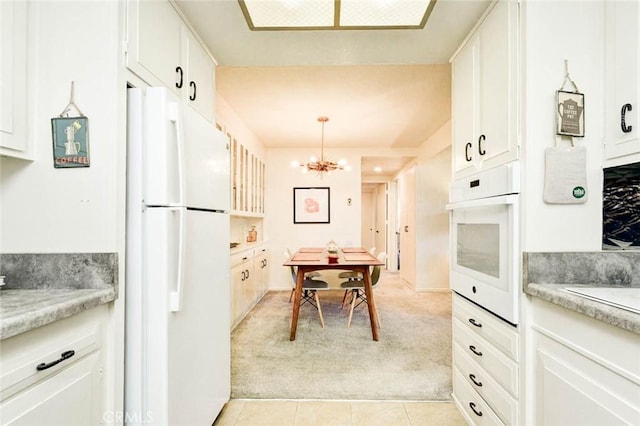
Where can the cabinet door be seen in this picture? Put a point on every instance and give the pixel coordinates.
(238, 290)
(621, 65)
(200, 87)
(262, 272)
(572, 389)
(71, 397)
(464, 108)
(496, 139)
(154, 43)
(13, 80)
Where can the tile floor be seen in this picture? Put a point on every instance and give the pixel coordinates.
(245, 412)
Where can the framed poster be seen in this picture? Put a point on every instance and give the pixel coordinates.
(70, 142)
(311, 205)
(570, 114)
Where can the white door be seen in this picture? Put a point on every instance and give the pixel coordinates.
(368, 213)
(381, 218)
(407, 202)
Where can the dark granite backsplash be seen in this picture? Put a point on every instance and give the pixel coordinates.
(59, 270)
(606, 268)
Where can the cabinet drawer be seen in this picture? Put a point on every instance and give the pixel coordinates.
(499, 333)
(503, 404)
(473, 407)
(244, 257)
(501, 368)
(20, 355)
(68, 398)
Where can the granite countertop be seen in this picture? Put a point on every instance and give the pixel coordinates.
(557, 294)
(43, 288)
(25, 309)
(548, 275)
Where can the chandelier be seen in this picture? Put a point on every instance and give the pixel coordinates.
(322, 166)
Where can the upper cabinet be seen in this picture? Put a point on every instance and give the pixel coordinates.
(621, 70)
(485, 93)
(247, 181)
(163, 51)
(13, 79)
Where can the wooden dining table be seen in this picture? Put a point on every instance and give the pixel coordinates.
(357, 259)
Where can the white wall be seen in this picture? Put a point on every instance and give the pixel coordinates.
(281, 232)
(68, 210)
(433, 174)
(555, 31)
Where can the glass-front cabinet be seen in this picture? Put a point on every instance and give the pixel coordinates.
(247, 181)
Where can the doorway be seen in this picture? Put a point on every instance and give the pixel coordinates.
(375, 216)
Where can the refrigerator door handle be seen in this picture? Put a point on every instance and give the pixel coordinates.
(175, 297)
(174, 116)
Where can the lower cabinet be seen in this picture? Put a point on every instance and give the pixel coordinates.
(485, 366)
(249, 281)
(585, 371)
(55, 374)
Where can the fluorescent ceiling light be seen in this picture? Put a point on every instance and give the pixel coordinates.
(336, 14)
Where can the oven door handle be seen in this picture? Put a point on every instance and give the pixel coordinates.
(482, 202)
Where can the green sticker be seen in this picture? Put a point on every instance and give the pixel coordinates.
(579, 192)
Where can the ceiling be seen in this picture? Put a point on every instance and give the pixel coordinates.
(381, 89)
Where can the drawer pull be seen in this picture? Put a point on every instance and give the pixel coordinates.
(63, 356)
(473, 407)
(473, 379)
(474, 322)
(474, 350)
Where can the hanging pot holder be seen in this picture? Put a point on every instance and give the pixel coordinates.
(565, 178)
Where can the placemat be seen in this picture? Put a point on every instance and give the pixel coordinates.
(353, 250)
(351, 257)
(305, 256)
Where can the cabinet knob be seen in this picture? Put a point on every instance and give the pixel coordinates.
(474, 350)
(473, 379)
(180, 74)
(192, 84)
(481, 149)
(623, 113)
(63, 356)
(466, 151)
(478, 413)
(474, 322)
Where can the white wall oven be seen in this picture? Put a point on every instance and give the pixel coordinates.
(485, 265)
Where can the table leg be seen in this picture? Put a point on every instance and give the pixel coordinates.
(371, 303)
(296, 303)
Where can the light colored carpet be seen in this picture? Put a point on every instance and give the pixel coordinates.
(411, 361)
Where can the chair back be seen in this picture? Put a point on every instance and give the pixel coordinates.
(375, 273)
(287, 256)
(372, 251)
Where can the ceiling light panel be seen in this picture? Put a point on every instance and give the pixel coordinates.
(290, 13)
(382, 13)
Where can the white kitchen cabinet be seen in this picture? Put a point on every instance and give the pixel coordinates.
(622, 47)
(71, 391)
(485, 93)
(249, 281)
(13, 79)
(486, 366)
(162, 50)
(585, 371)
(261, 265)
(247, 181)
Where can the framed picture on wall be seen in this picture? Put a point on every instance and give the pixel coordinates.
(311, 205)
(570, 114)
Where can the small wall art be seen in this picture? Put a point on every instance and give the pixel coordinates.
(70, 137)
(70, 142)
(570, 114)
(311, 205)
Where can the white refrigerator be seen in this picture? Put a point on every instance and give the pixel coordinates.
(177, 320)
